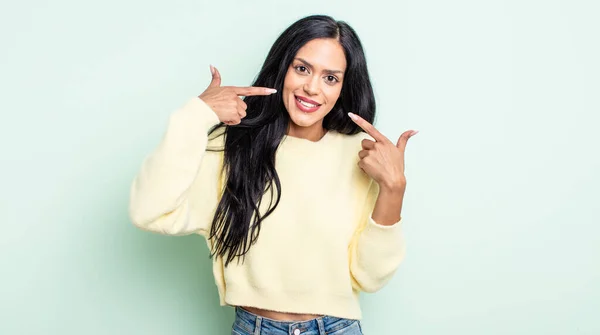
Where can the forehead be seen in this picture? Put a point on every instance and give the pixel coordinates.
(324, 53)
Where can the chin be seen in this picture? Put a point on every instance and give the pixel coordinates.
(302, 119)
(302, 123)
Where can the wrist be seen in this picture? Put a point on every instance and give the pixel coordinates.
(393, 189)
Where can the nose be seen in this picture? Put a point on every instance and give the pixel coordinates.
(311, 86)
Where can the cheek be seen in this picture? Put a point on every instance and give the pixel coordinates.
(291, 82)
(332, 94)
(287, 87)
(291, 77)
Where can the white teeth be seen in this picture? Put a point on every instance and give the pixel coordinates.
(306, 104)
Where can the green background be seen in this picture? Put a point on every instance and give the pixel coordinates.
(502, 207)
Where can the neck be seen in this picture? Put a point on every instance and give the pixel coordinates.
(314, 133)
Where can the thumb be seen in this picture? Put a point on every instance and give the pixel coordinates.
(216, 77)
(404, 139)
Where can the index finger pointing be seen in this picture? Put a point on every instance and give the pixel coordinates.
(248, 91)
(369, 128)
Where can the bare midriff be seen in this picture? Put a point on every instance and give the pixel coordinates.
(279, 316)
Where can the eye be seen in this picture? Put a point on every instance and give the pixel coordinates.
(331, 79)
(301, 68)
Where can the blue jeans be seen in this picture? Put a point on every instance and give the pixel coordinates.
(247, 323)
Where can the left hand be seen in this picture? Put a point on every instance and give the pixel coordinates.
(381, 159)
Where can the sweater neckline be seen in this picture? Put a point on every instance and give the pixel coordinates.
(299, 140)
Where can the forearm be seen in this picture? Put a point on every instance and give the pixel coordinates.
(388, 207)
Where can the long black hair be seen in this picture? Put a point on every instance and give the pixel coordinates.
(250, 147)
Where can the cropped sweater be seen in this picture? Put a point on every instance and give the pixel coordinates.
(318, 249)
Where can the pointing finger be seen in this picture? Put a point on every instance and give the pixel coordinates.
(369, 128)
(249, 91)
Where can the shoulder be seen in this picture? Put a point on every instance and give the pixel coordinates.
(362, 136)
(215, 149)
(216, 139)
(349, 146)
(358, 137)
(353, 142)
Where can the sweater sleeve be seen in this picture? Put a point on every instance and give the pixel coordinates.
(176, 190)
(377, 250)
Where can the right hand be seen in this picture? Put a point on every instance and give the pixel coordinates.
(225, 101)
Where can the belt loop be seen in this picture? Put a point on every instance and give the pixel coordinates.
(257, 326)
(321, 326)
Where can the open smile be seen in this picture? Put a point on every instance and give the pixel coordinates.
(306, 105)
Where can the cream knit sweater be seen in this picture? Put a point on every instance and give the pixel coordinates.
(315, 252)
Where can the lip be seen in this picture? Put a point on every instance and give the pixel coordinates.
(307, 100)
(304, 108)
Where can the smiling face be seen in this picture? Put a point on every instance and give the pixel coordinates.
(312, 86)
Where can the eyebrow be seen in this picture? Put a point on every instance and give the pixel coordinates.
(310, 65)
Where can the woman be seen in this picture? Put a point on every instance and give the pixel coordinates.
(299, 200)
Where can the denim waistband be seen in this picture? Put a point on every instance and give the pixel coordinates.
(258, 325)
